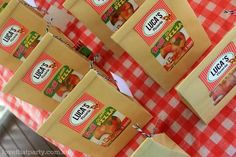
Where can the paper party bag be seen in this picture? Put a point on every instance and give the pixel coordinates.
(95, 118)
(165, 38)
(103, 17)
(48, 74)
(21, 29)
(159, 145)
(213, 83)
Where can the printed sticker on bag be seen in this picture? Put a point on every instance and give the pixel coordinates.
(106, 127)
(118, 13)
(12, 33)
(27, 45)
(220, 76)
(172, 46)
(41, 72)
(154, 22)
(63, 83)
(81, 112)
(99, 5)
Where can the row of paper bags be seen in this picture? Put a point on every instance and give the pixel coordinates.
(92, 120)
(163, 36)
(166, 39)
(95, 117)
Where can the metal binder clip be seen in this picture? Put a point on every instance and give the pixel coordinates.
(231, 12)
(49, 24)
(91, 66)
(91, 63)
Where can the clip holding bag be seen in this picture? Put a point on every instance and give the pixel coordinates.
(21, 29)
(48, 74)
(212, 84)
(165, 38)
(160, 145)
(103, 17)
(92, 121)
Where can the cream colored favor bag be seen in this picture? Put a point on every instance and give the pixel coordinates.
(159, 145)
(21, 29)
(48, 74)
(213, 83)
(165, 38)
(95, 118)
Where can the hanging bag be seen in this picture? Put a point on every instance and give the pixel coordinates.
(95, 118)
(48, 74)
(212, 84)
(21, 29)
(165, 38)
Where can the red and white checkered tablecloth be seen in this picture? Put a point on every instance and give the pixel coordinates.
(218, 139)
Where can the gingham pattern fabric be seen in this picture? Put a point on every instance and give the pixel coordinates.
(218, 139)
